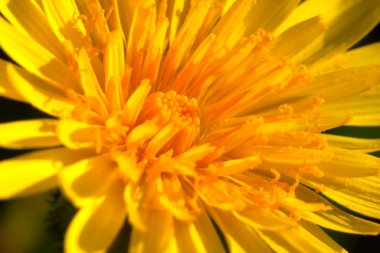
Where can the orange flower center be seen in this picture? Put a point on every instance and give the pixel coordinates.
(177, 118)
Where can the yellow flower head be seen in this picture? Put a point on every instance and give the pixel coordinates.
(187, 117)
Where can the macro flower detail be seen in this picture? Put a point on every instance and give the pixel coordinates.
(195, 120)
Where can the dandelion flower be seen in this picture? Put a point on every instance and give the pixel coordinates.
(186, 118)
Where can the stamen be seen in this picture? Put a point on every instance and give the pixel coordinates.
(177, 116)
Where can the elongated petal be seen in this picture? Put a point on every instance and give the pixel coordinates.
(85, 180)
(358, 17)
(64, 19)
(114, 70)
(233, 23)
(6, 88)
(260, 218)
(362, 56)
(366, 55)
(335, 218)
(34, 58)
(34, 172)
(240, 237)
(172, 196)
(268, 14)
(176, 11)
(98, 29)
(298, 240)
(136, 101)
(320, 122)
(333, 86)
(365, 206)
(26, 16)
(361, 195)
(306, 32)
(48, 100)
(199, 236)
(136, 197)
(363, 109)
(29, 134)
(322, 236)
(185, 39)
(96, 225)
(205, 231)
(78, 135)
(151, 240)
(234, 166)
(287, 157)
(348, 163)
(352, 143)
(222, 195)
(90, 84)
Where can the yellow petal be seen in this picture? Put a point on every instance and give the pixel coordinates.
(34, 58)
(322, 236)
(140, 34)
(84, 181)
(232, 26)
(298, 240)
(233, 166)
(366, 55)
(97, 224)
(206, 232)
(27, 17)
(96, 20)
(240, 237)
(156, 238)
(199, 236)
(260, 218)
(358, 17)
(348, 163)
(362, 56)
(269, 14)
(176, 14)
(6, 88)
(363, 109)
(78, 135)
(90, 84)
(319, 122)
(136, 101)
(34, 172)
(127, 7)
(333, 86)
(335, 218)
(172, 196)
(305, 32)
(354, 202)
(136, 198)
(64, 19)
(287, 157)
(112, 13)
(29, 134)
(156, 51)
(361, 195)
(114, 63)
(352, 143)
(221, 194)
(197, 153)
(45, 99)
(184, 40)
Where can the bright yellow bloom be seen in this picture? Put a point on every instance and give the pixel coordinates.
(179, 116)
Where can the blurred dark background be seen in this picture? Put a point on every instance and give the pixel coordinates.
(25, 224)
